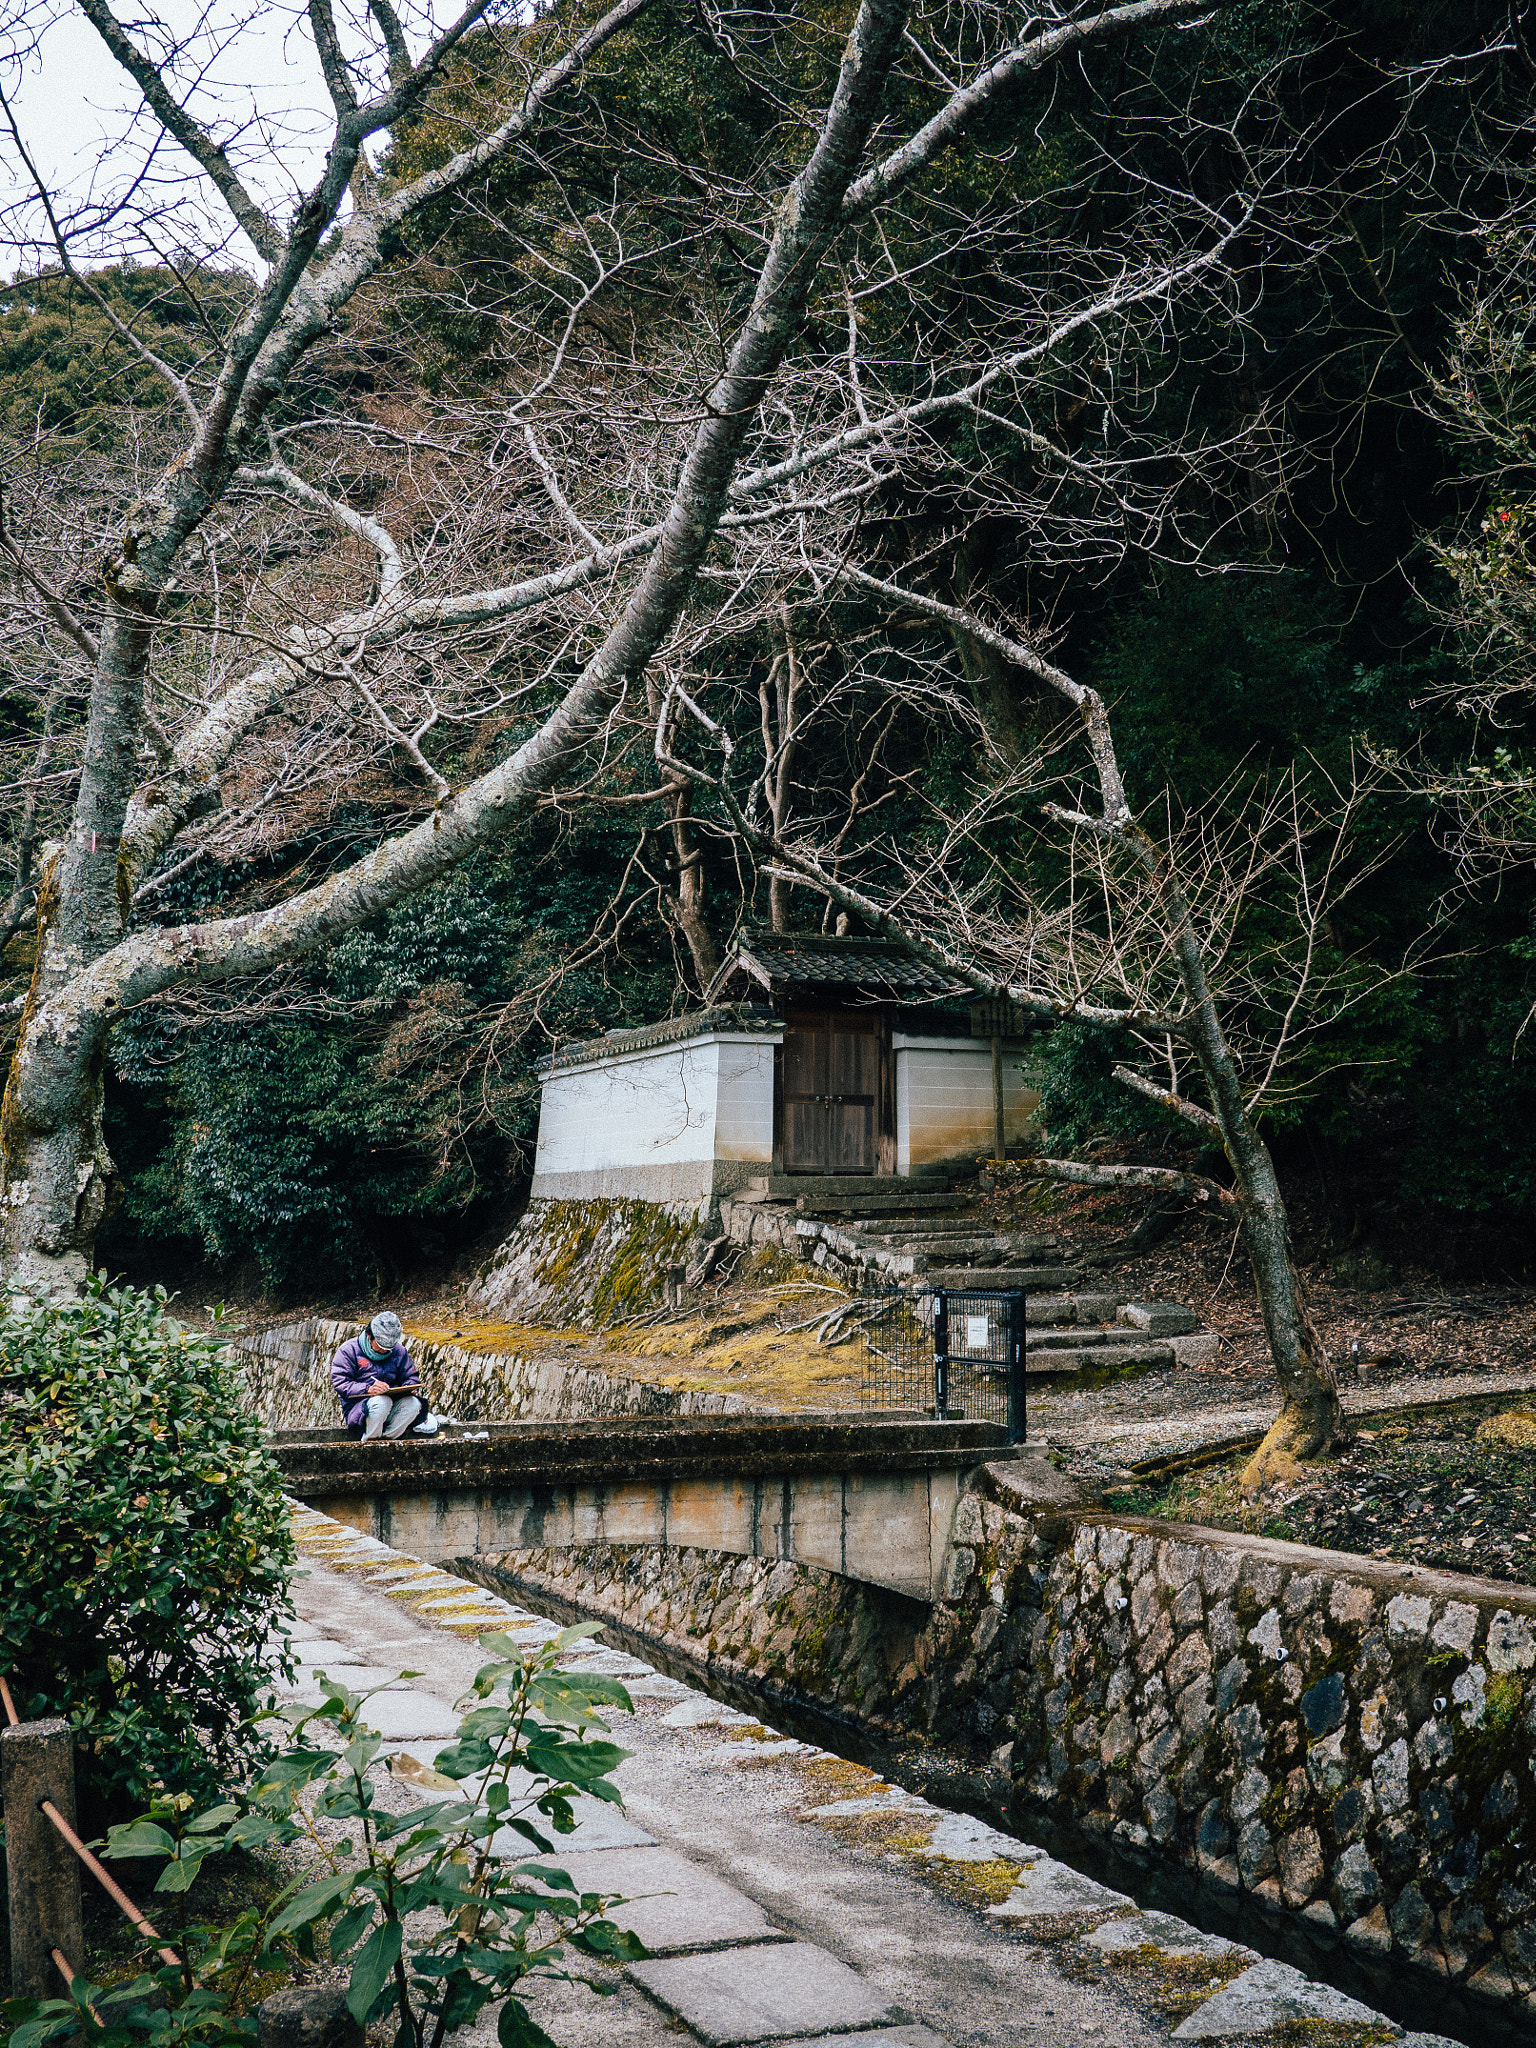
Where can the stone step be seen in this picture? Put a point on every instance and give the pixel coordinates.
(1108, 1359)
(967, 1244)
(816, 1186)
(956, 1251)
(1075, 1339)
(913, 1204)
(913, 1226)
(1009, 1277)
(1159, 1318)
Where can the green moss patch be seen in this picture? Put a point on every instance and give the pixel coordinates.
(890, 1831)
(973, 1884)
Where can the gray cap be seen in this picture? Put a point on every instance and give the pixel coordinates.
(384, 1328)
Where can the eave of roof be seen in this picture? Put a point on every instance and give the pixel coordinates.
(785, 962)
(580, 1052)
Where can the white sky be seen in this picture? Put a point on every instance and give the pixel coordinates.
(249, 67)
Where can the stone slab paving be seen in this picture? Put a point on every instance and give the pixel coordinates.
(783, 1992)
(764, 1925)
(888, 2037)
(1171, 1936)
(673, 1905)
(1270, 1993)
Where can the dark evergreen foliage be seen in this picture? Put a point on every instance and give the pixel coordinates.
(379, 1115)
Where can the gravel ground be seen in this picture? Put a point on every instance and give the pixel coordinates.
(1108, 1429)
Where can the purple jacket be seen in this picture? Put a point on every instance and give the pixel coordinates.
(351, 1371)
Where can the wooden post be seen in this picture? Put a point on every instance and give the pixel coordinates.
(999, 1142)
(37, 1762)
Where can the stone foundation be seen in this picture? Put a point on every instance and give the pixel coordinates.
(1270, 1736)
(588, 1263)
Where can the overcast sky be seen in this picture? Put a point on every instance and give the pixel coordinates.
(240, 67)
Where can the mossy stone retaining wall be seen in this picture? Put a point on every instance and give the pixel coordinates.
(288, 1373)
(588, 1263)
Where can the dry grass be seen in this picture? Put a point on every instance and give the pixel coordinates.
(738, 1343)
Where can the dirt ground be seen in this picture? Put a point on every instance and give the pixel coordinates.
(1452, 1491)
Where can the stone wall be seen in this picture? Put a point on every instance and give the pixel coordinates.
(288, 1373)
(1332, 1756)
(587, 1263)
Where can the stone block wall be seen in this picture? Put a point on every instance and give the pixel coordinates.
(1342, 1743)
(1269, 1736)
(587, 1262)
(288, 1373)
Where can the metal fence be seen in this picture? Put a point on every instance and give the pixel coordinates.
(954, 1353)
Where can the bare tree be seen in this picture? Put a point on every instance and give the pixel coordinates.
(739, 450)
(1140, 937)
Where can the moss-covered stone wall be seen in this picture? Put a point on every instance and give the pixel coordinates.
(1273, 1734)
(588, 1263)
(288, 1374)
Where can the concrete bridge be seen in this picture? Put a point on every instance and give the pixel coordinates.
(873, 1499)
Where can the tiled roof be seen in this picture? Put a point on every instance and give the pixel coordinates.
(578, 1052)
(793, 963)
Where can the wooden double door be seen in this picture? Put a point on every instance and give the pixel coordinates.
(832, 1092)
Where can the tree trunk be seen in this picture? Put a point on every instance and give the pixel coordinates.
(688, 903)
(1310, 1415)
(59, 1182)
(56, 1180)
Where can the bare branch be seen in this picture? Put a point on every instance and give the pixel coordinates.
(199, 145)
(1168, 1099)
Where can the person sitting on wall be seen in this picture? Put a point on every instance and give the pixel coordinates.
(369, 1373)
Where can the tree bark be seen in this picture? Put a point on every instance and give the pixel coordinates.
(58, 1180)
(1310, 1416)
(690, 896)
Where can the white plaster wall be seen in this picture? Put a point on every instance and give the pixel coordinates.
(744, 1100)
(645, 1109)
(650, 1125)
(944, 1099)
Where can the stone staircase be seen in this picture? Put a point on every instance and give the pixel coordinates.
(874, 1233)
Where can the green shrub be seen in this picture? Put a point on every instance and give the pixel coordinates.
(144, 1543)
(436, 1913)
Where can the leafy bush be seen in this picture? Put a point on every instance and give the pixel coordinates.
(377, 1120)
(437, 1912)
(1078, 1092)
(144, 1544)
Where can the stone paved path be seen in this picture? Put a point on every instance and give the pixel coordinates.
(788, 1896)
(1125, 1422)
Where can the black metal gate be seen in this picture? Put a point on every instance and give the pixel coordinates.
(955, 1353)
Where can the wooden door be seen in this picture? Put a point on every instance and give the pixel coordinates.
(831, 1080)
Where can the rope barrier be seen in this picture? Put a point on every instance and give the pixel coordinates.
(108, 1883)
(62, 1966)
(10, 1705)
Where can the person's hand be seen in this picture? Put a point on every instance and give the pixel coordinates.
(378, 1387)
